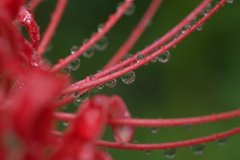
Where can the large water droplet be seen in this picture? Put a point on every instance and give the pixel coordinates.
(75, 64)
(198, 148)
(112, 83)
(101, 44)
(164, 57)
(82, 98)
(74, 49)
(222, 142)
(170, 153)
(140, 57)
(129, 77)
(229, 1)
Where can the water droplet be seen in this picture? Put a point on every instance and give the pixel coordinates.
(64, 108)
(92, 78)
(154, 129)
(89, 53)
(148, 152)
(164, 57)
(74, 49)
(200, 27)
(82, 98)
(188, 127)
(75, 64)
(100, 26)
(101, 44)
(154, 60)
(185, 28)
(129, 55)
(103, 149)
(131, 10)
(65, 123)
(112, 83)
(140, 57)
(222, 142)
(229, 1)
(129, 77)
(170, 153)
(100, 86)
(64, 72)
(198, 148)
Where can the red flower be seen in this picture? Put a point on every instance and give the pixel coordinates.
(31, 91)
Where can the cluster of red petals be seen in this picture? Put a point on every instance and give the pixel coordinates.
(30, 91)
(27, 95)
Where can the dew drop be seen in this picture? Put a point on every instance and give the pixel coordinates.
(140, 57)
(64, 72)
(112, 83)
(75, 64)
(188, 127)
(164, 57)
(170, 153)
(64, 108)
(148, 152)
(129, 77)
(197, 149)
(92, 78)
(101, 44)
(131, 10)
(200, 27)
(185, 28)
(129, 55)
(154, 60)
(229, 1)
(100, 86)
(100, 26)
(222, 142)
(154, 130)
(82, 98)
(89, 53)
(74, 49)
(103, 149)
(65, 123)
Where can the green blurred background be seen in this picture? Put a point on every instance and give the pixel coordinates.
(202, 76)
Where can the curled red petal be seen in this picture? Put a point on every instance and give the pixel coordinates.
(26, 18)
(117, 109)
(90, 121)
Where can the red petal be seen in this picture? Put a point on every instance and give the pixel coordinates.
(117, 109)
(32, 106)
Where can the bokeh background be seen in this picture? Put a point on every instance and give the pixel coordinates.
(202, 76)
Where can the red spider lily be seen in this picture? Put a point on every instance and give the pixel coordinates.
(31, 91)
